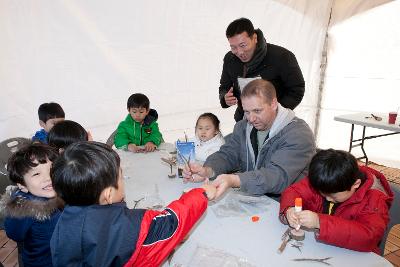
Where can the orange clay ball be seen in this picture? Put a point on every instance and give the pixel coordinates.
(255, 218)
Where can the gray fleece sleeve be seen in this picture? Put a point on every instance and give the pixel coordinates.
(226, 160)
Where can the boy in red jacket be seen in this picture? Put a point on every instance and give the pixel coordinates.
(346, 205)
(97, 229)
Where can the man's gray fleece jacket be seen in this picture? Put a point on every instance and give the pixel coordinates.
(283, 159)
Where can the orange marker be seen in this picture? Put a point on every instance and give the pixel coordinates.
(255, 218)
(298, 206)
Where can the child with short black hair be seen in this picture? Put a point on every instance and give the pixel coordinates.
(346, 205)
(208, 138)
(49, 114)
(31, 208)
(65, 133)
(97, 228)
(139, 131)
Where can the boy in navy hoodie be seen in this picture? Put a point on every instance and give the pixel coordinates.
(97, 229)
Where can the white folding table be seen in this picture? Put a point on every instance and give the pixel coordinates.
(367, 120)
(255, 242)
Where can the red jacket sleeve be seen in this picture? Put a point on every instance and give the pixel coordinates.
(311, 199)
(161, 232)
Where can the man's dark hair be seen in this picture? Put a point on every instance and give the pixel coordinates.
(332, 171)
(65, 133)
(28, 157)
(214, 119)
(259, 87)
(83, 171)
(138, 101)
(238, 26)
(51, 110)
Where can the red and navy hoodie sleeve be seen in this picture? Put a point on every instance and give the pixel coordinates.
(162, 231)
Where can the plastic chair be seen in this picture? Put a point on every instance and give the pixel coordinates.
(110, 140)
(394, 214)
(7, 148)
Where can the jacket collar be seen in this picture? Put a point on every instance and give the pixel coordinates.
(259, 54)
(150, 118)
(212, 140)
(17, 204)
(283, 117)
(374, 180)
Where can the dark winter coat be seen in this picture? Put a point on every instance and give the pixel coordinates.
(30, 220)
(279, 66)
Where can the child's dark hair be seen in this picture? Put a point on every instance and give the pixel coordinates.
(214, 119)
(238, 26)
(50, 110)
(24, 159)
(333, 171)
(65, 133)
(138, 101)
(83, 171)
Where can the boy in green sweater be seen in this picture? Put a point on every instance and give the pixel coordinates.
(139, 131)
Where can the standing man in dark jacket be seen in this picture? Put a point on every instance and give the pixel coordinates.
(251, 57)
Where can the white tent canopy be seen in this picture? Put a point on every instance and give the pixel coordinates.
(90, 55)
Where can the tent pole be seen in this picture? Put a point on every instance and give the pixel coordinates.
(324, 62)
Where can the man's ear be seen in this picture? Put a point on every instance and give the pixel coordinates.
(23, 188)
(42, 124)
(274, 103)
(255, 36)
(356, 184)
(106, 196)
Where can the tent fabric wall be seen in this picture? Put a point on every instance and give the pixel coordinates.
(362, 74)
(91, 55)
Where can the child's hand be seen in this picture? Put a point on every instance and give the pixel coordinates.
(211, 191)
(292, 217)
(149, 147)
(308, 219)
(134, 148)
(225, 181)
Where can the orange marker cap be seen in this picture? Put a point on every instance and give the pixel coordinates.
(298, 202)
(255, 218)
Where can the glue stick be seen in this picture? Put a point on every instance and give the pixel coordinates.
(298, 206)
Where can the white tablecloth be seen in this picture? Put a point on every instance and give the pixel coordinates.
(254, 242)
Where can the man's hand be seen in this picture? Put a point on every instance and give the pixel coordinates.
(308, 219)
(230, 100)
(134, 148)
(196, 173)
(225, 181)
(89, 135)
(149, 147)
